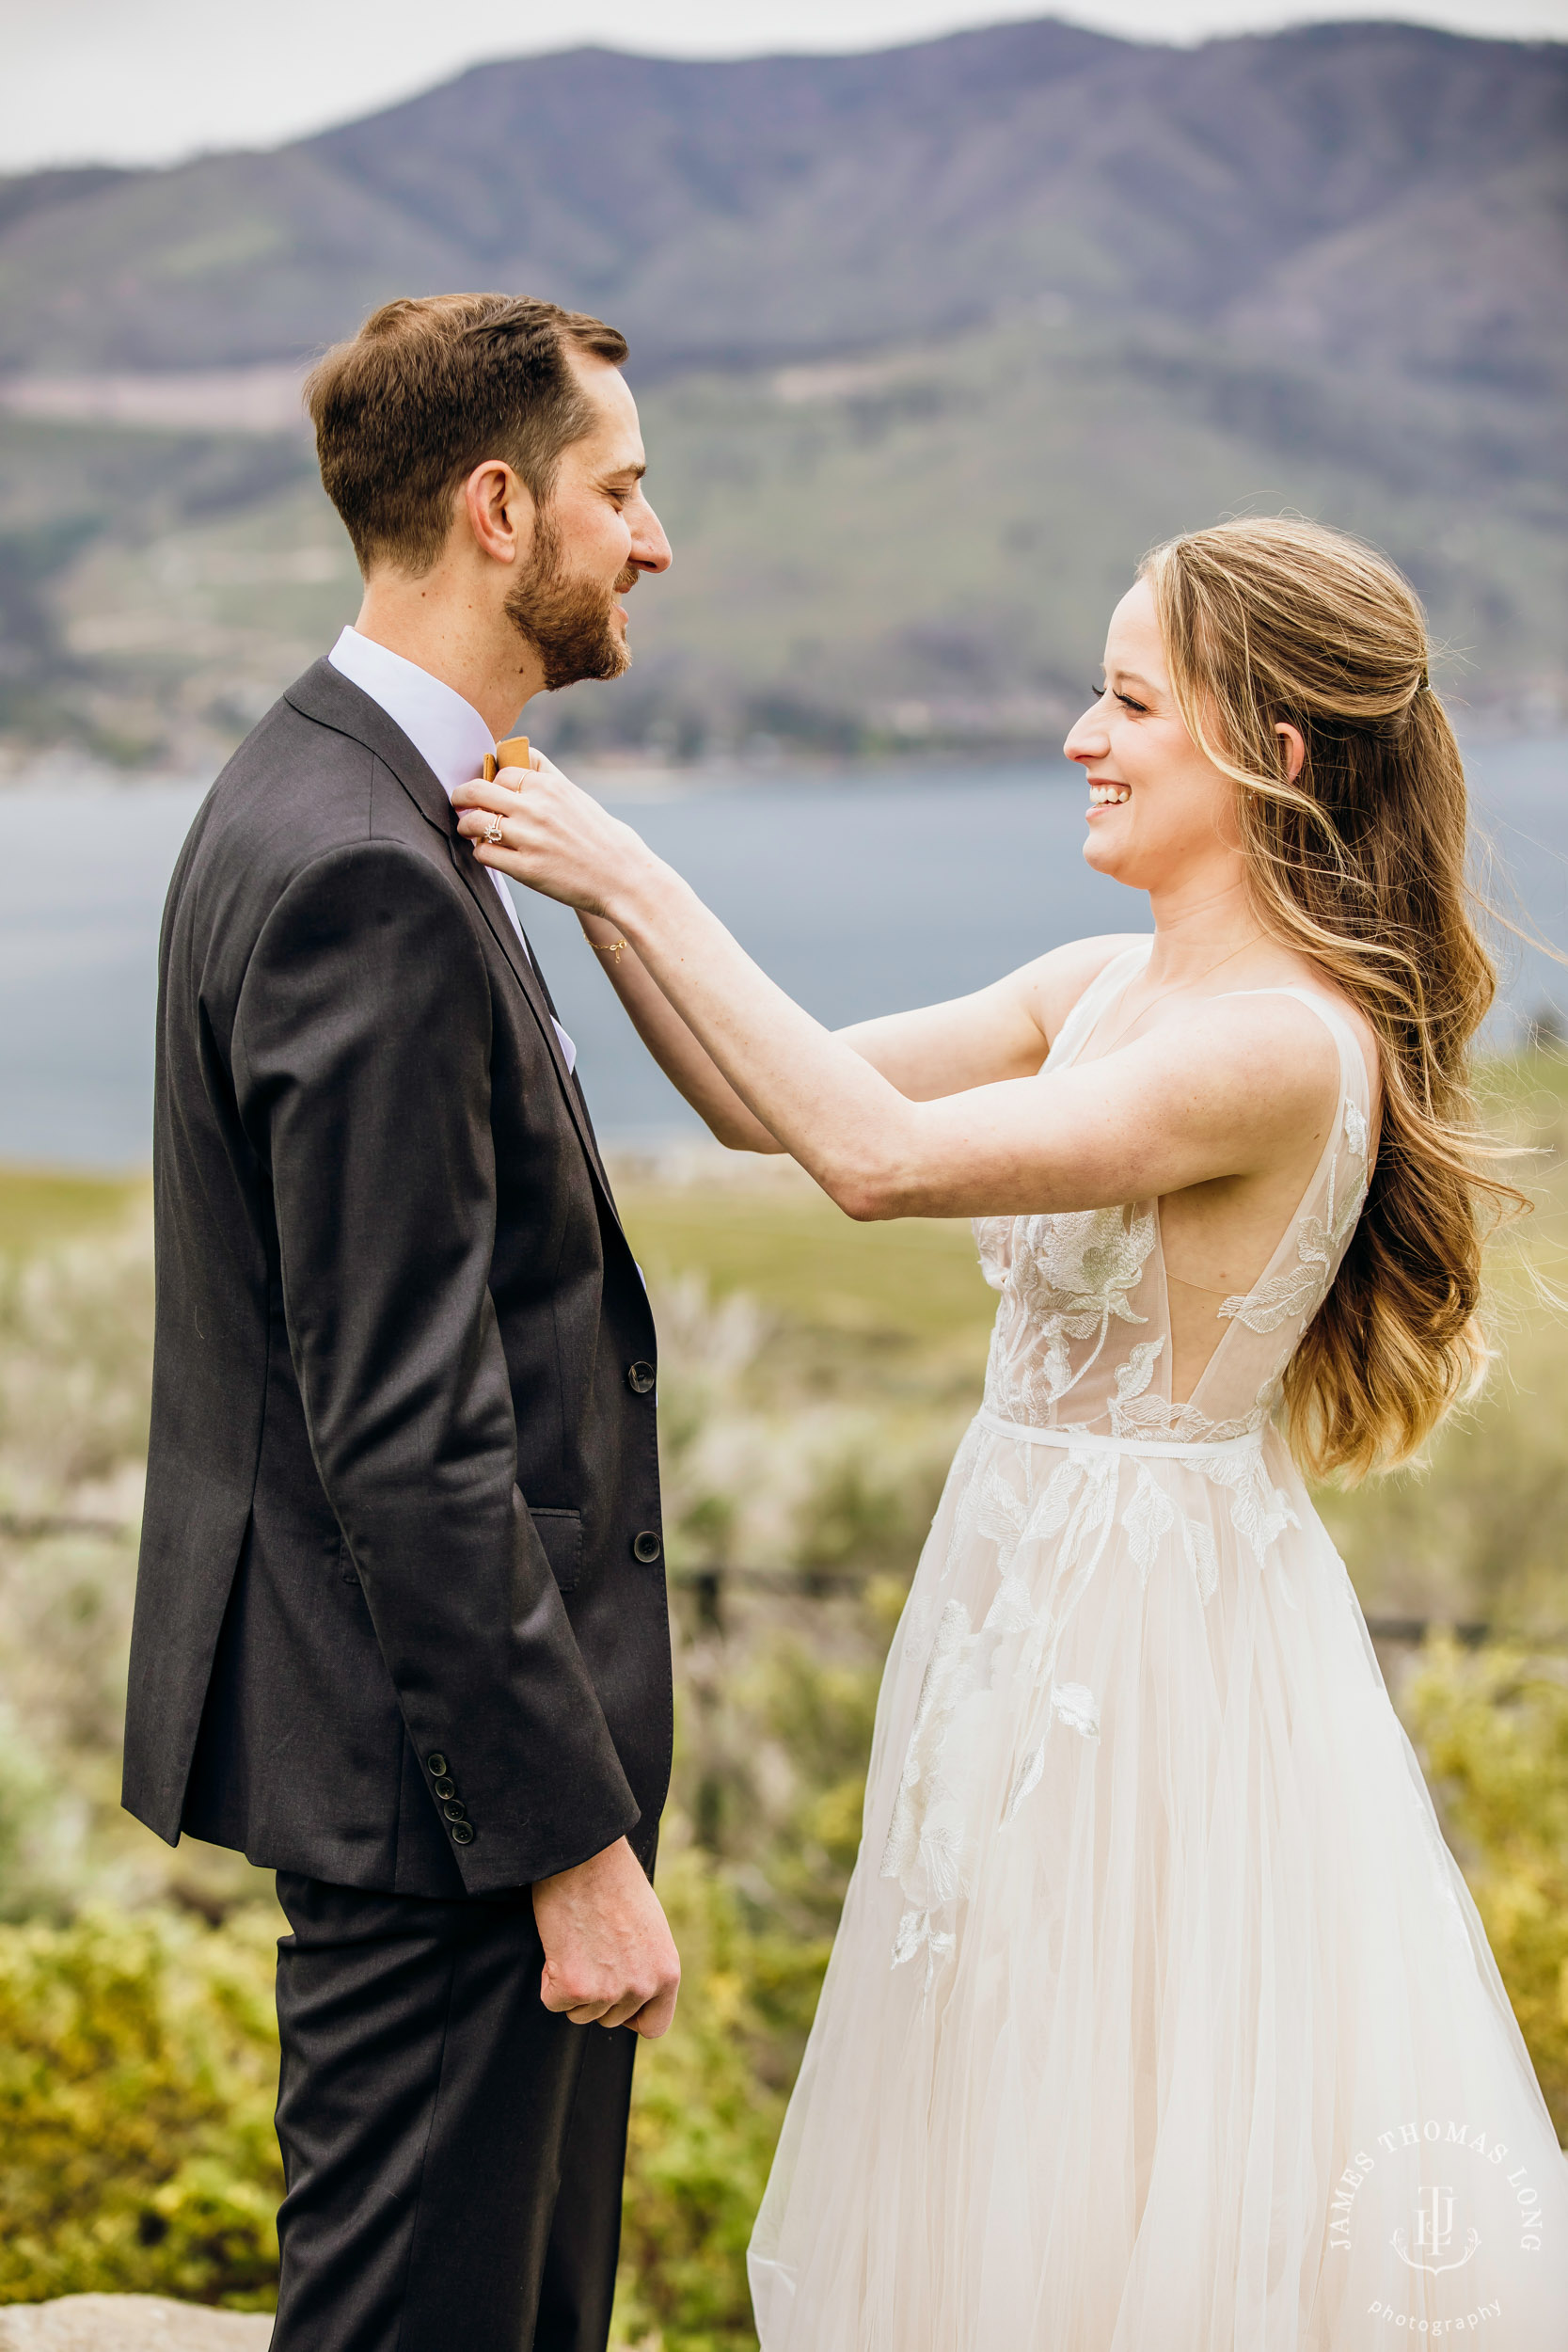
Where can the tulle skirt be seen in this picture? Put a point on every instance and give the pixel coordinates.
(1159, 2014)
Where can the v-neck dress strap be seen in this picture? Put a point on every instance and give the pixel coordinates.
(1111, 981)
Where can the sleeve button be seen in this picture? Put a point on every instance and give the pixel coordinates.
(640, 1378)
(437, 1764)
(454, 1809)
(445, 1786)
(461, 1832)
(645, 1547)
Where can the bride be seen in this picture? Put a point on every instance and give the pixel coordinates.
(1159, 2014)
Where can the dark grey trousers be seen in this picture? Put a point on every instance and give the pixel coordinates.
(453, 2152)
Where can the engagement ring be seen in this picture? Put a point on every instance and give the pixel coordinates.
(494, 834)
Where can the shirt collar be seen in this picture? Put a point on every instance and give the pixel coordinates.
(447, 732)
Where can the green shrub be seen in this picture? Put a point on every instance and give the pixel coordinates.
(1494, 1726)
(138, 2069)
(703, 2125)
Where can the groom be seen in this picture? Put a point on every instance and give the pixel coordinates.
(400, 1629)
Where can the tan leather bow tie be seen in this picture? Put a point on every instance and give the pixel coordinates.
(512, 753)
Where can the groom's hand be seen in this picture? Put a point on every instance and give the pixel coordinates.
(609, 1959)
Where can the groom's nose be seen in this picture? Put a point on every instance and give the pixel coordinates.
(650, 548)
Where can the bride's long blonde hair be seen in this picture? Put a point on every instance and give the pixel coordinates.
(1359, 864)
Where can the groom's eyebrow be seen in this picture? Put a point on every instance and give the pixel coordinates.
(626, 473)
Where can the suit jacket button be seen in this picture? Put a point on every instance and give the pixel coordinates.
(437, 1764)
(445, 1788)
(646, 1547)
(453, 1808)
(461, 1832)
(640, 1378)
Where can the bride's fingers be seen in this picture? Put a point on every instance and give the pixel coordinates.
(509, 794)
(473, 819)
(495, 793)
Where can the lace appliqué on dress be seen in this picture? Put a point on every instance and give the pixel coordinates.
(1081, 1350)
(1066, 1279)
(931, 1838)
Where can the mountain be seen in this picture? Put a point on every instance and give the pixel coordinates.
(760, 209)
(1324, 268)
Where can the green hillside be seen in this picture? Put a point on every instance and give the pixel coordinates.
(922, 546)
(932, 344)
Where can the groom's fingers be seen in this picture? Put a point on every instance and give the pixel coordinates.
(657, 2016)
(624, 2012)
(626, 2002)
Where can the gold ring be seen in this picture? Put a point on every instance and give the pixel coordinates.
(494, 835)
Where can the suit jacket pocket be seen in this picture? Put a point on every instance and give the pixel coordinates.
(561, 1533)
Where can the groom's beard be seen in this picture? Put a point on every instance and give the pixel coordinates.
(566, 621)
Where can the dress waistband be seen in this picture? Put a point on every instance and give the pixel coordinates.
(1091, 1441)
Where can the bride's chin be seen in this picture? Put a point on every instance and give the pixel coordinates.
(1102, 855)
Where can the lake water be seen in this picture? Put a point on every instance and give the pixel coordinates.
(860, 893)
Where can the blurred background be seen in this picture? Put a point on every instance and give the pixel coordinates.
(937, 323)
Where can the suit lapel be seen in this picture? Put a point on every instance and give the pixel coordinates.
(334, 701)
(550, 1001)
(531, 980)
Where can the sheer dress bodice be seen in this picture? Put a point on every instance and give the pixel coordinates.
(1083, 1337)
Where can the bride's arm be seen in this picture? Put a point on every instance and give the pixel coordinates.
(1000, 1031)
(1212, 1096)
(687, 1065)
(997, 1032)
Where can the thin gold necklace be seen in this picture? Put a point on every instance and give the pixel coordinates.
(1181, 987)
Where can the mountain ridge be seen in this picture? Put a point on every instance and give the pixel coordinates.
(1055, 293)
(744, 212)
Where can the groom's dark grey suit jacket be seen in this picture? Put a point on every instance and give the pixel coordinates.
(400, 1535)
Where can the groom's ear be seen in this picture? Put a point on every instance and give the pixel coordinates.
(499, 511)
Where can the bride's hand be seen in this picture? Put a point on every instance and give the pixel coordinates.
(553, 837)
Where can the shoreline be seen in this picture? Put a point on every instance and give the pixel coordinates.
(646, 776)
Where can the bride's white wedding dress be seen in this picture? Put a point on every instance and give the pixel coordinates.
(1159, 2018)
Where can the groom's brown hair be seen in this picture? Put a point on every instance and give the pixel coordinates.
(429, 387)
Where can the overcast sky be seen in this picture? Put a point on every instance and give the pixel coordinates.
(148, 81)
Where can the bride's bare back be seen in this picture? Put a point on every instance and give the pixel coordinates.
(1099, 1330)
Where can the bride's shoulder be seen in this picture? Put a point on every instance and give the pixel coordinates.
(1299, 1007)
(1280, 1043)
(1060, 980)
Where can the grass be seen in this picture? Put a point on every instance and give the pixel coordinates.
(40, 1205)
(908, 1295)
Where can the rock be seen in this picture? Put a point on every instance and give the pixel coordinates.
(130, 2322)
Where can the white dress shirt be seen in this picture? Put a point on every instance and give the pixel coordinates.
(447, 733)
